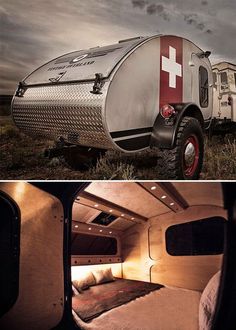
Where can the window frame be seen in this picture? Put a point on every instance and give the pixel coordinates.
(203, 87)
(188, 223)
(10, 298)
(94, 255)
(226, 83)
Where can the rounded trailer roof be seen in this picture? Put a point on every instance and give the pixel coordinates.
(83, 64)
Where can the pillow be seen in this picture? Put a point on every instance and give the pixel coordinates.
(103, 275)
(84, 282)
(75, 292)
(208, 302)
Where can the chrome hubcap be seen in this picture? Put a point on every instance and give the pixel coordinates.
(189, 154)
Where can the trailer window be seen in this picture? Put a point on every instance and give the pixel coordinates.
(203, 87)
(224, 79)
(83, 244)
(9, 252)
(201, 237)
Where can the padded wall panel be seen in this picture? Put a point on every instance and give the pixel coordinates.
(40, 303)
(146, 259)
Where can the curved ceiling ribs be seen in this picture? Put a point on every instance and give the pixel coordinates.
(136, 202)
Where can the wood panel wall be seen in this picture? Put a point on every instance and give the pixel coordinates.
(78, 260)
(39, 305)
(145, 257)
(76, 271)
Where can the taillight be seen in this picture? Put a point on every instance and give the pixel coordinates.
(167, 111)
(230, 100)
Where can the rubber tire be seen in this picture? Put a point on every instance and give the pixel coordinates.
(83, 158)
(170, 162)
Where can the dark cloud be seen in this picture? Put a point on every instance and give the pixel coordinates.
(191, 19)
(164, 12)
(200, 26)
(152, 9)
(195, 21)
(139, 3)
(159, 10)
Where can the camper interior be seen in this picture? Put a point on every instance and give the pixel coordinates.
(115, 255)
(146, 255)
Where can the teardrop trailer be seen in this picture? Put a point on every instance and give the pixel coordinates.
(48, 242)
(140, 93)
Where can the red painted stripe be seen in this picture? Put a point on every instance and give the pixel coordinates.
(167, 93)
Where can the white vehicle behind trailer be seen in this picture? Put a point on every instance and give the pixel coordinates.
(224, 95)
(139, 93)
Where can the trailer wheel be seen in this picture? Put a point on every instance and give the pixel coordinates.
(82, 158)
(185, 160)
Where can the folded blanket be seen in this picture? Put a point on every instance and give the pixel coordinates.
(100, 298)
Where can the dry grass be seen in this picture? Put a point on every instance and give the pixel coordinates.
(220, 158)
(22, 157)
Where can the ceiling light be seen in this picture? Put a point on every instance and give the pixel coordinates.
(100, 230)
(132, 218)
(171, 204)
(163, 197)
(110, 232)
(96, 205)
(153, 188)
(89, 228)
(122, 215)
(110, 210)
(76, 226)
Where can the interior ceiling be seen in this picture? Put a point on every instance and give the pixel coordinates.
(201, 193)
(138, 199)
(128, 195)
(87, 214)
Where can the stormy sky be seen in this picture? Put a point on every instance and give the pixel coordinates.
(35, 31)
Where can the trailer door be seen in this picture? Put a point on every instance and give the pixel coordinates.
(225, 106)
(216, 95)
(202, 85)
(39, 302)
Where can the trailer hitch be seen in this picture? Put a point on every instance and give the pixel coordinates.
(59, 149)
(63, 148)
(98, 84)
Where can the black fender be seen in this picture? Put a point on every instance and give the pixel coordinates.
(165, 130)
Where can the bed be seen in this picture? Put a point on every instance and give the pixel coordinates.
(154, 307)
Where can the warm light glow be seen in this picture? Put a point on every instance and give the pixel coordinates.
(90, 228)
(20, 190)
(110, 232)
(171, 204)
(110, 210)
(96, 205)
(100, 230)
(163, 197)
(80, 271)
(76, 226)
(149, 263)
(132, 218)
(153, 188)
(122, 215)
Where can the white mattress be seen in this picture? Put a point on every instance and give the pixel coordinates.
(164, 309)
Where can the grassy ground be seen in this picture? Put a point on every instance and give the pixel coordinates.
(22, 157)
